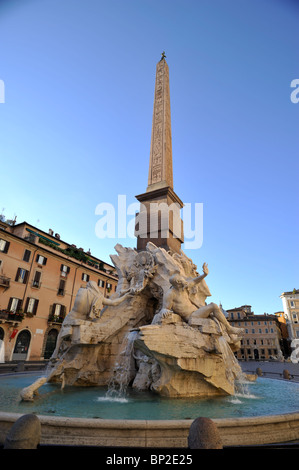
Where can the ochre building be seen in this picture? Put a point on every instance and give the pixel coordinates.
(39, 278)
(263, 337)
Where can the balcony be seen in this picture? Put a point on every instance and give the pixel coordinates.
(4, 281)
(8, 316)
(55, 319)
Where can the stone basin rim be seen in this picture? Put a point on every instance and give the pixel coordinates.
(155, 422)
(235, 432)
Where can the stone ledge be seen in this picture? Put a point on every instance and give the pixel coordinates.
(165, 433)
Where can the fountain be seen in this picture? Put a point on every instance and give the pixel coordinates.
(155, 336)
(157, 333)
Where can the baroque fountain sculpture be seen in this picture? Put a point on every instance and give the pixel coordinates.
(157, 333)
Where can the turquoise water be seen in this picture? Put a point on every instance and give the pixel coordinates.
(263, 397)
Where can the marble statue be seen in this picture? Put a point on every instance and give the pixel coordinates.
(179, 345)
(177, 300)
(88, 304)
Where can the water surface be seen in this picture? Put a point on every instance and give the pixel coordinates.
(263, 397)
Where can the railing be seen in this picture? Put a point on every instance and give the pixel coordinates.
(21, 366)
(11, 316)
(55, 319)
(285, 375)
(4, 281)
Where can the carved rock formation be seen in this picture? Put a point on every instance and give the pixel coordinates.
(168, 355)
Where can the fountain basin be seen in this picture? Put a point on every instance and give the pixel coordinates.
(98, 430)
(63, 431)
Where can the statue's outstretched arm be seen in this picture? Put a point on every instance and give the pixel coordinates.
(198, 279)
(115, 302)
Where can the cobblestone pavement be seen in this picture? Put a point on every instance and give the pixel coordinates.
(272, 368)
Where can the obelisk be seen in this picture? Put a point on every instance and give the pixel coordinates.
(159, 218)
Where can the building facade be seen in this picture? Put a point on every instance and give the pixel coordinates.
(290, 303)
(39, 278)
(262, 338)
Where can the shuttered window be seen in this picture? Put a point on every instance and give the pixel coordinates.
(64, 270)
(36, 279)
(22, 275)
(31, 305)
(14, 304)
(4, 245)
(58, 311)
(26, 256)
(41, 259)
(61, 288)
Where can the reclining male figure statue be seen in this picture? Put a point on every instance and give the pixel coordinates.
(177, 300)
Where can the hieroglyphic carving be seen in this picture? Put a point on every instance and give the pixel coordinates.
(157, 142)
(161, 151)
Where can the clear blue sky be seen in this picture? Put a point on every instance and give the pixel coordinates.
(76, 124)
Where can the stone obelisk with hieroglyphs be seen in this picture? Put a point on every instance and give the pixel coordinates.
(159, 218)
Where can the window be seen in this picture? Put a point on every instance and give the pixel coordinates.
(4, 245)
(253, 330)
(109, 285)
(292, 304)
(58, 313)
(64, 270)
(101, 283)
(31, 305)
(85, 277)
(41, 259)
(260, 330)
(26, 256)
(36, 279)
(271, 330)
(297, 334)
(266, 330)
(246, 330)
(14, 304)
(61, 287)
(22, 275)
